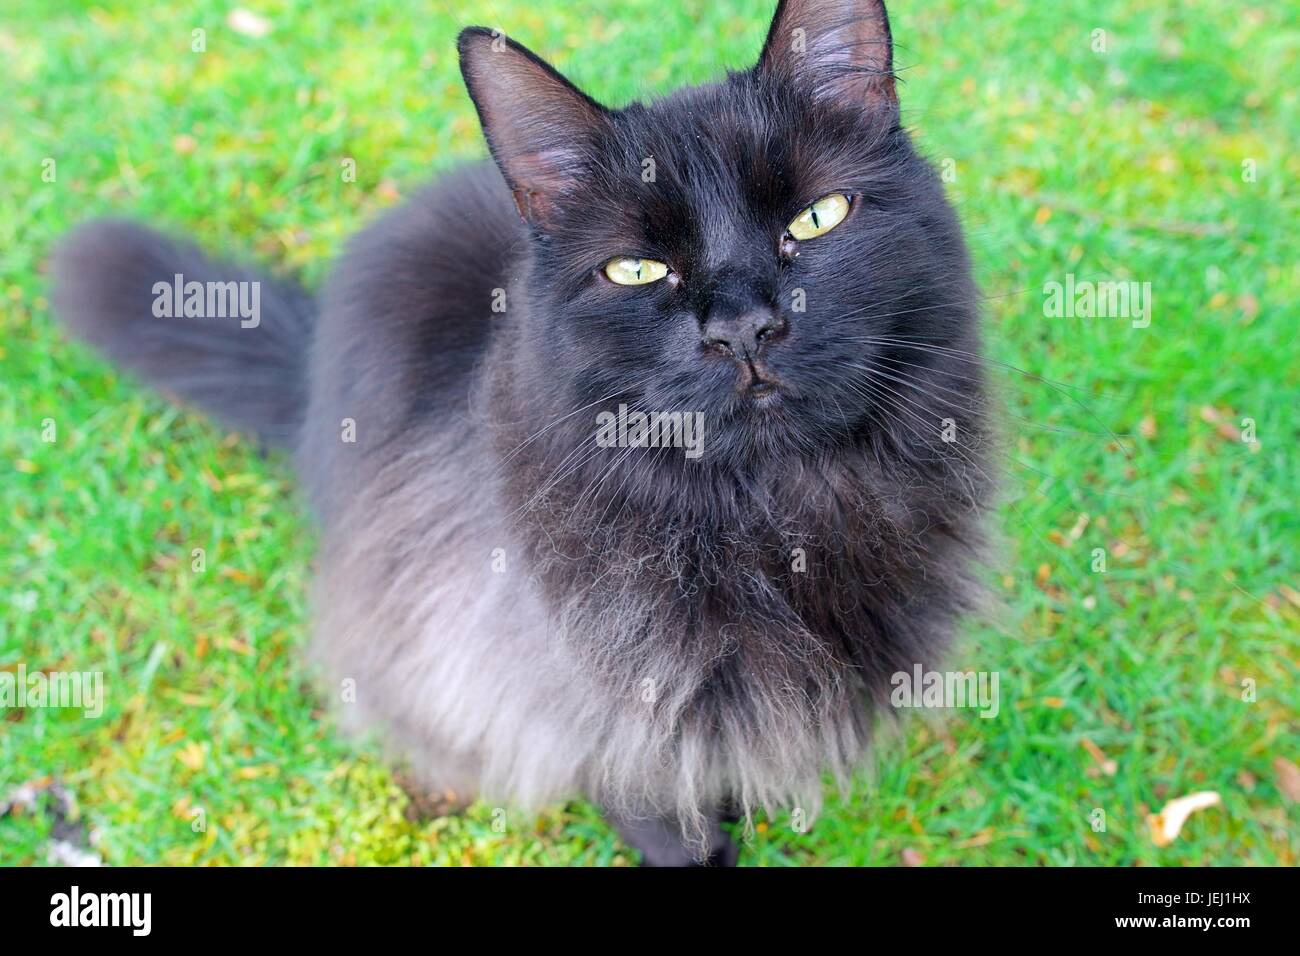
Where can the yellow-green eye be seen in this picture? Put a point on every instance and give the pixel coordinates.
(821, 217)
(628, 271)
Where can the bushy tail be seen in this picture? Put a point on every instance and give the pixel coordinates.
(243, 357)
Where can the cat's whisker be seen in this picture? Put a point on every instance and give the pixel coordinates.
(1059, 388)
(594, 485)
(881, 403)
(993, 446)
(574, 459)
(872, 309)
(878, 373)
(578, 460)
(623, 484)
(545, 428)
(973, 358)
(882, 391)
(893, 360)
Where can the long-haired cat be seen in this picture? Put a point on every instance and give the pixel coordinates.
(682, 623)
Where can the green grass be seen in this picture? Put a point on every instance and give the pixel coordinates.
(1121, 165)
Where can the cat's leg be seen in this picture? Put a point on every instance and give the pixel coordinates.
(661, 844)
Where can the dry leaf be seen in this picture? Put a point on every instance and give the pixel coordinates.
(1288, 778)
(1249, 306)
(1222, 420)
(1168, 823)
(982, 838)
(1108, 766)
(1290, 593)
(253, 773)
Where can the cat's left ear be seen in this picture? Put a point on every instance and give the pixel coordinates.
(539, 126)
(839, 49)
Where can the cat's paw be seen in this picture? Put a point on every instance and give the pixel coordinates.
(426, 802)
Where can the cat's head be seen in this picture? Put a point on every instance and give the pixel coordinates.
(755, 250)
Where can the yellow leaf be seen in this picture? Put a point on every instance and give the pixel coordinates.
(191, 755)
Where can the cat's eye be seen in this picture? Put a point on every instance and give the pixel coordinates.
(821, 217)
(626, 270)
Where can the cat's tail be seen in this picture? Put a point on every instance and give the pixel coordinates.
(215, 335)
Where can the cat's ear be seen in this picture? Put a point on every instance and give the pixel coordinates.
(840, 49)
(539, 126)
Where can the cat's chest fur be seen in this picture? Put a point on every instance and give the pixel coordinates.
(539, 647)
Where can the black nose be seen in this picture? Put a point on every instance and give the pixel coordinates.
(742, 335)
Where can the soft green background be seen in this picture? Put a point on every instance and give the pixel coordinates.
(1125, 164)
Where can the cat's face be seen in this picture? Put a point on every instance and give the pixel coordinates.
(747, 250)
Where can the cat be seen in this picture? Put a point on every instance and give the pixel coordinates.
(528, 613)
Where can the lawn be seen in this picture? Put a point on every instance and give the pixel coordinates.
(1159, 151)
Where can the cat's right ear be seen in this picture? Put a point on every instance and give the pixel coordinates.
(539, 126)
(841, 50)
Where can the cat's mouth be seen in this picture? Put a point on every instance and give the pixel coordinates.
(758, 382)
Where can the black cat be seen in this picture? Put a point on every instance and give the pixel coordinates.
(642, 458)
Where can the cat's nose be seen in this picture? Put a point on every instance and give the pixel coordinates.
(742, 335)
